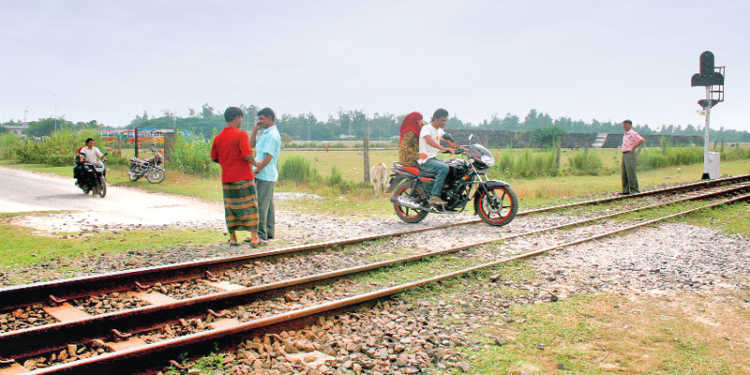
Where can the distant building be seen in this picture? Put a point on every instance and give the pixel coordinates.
(17, 129)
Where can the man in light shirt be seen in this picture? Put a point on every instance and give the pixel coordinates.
(90, 152)
(86, 154)
(267, 149)
(429, 146)
(631, 143)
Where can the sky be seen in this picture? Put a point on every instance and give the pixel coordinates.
(110, 60)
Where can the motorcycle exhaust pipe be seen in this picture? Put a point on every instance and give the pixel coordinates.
(406, 202)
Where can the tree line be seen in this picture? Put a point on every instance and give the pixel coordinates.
(305, 126)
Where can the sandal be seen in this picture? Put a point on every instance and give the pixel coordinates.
(257, 245)
(232, 244)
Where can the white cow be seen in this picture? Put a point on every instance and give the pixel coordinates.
(379, 177)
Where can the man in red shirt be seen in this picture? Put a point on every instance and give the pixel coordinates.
(231, 149)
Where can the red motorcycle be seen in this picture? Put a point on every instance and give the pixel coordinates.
(494, 201)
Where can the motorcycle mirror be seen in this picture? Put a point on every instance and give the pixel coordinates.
(471, 136)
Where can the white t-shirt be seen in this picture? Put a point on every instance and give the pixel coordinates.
(424, 147)
(92, 154)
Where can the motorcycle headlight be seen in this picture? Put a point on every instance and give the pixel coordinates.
(488, 159)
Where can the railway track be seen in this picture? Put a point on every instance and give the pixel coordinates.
(60, 291)
(100, 330)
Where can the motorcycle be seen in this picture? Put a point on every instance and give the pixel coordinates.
(151, 168)
(93, 177)
(494, 200)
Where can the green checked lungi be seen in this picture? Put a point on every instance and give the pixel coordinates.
(241, 206)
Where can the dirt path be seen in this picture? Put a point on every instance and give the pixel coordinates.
(22, 191)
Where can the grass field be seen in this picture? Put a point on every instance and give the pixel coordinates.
(531, 192)
(350, 163)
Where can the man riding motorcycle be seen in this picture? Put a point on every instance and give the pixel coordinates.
(429, 146)
(86, 154)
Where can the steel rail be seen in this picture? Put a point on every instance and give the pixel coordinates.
(97, 363)
(28, 294)
(43, 339)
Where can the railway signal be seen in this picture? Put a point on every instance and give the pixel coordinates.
(712, 78)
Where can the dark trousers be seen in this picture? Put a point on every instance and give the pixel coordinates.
(78, 171)
(629, 178)
(266, 214)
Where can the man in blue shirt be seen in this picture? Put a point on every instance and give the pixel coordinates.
(267, 149)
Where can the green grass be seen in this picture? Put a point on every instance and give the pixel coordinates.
(209, 364)
(733, 219)
(18, 246)
(609, 333)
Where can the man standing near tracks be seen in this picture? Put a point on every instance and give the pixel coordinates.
(231, 149)
(631, 143)
(267, 171)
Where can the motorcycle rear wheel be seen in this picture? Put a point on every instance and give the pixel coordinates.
(498, 205)
(406, 214)
(102, 189)
(156, 175)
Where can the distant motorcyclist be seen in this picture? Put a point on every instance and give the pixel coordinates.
(86, 154)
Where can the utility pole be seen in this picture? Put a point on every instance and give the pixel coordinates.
(136, 142)
(366, 144)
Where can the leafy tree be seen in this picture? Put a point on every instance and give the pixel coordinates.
(546, 136)
(286, 139)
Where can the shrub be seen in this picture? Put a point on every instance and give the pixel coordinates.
(59, 148)
(582, 163)
(8, 144)
(674, 156)
(299, 170)
(735, 153)
(526, 165)
(336, 180)
(192, 155)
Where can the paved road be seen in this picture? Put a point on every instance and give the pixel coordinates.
(22, 191)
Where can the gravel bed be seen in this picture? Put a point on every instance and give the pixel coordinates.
(72, 352)
(30, 316)
(309, 231)
(298, 228)
(182, 328)
(288, 300)
(672, 256)
(183, 289)
(109, 302)
(416, 335)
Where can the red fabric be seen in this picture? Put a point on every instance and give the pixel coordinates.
(231, 148)
(412, 170)
(411, 124)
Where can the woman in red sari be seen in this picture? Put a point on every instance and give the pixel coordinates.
(408, 144)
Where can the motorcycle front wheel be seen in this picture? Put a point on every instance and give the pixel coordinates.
(406, 214)
(497, 205)
(102, 188)
(156, 175)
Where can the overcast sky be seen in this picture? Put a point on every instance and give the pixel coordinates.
(109, 60)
